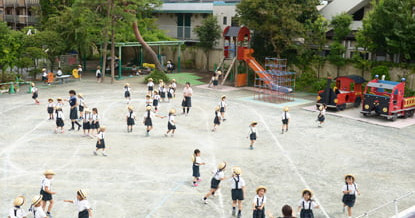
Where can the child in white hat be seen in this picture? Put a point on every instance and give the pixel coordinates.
(258, 205)
(127, 92)
(238, 191)
(222, 106)
(46, 191)
(197, 161)
(130, 118)
(80, 72)
(17, 211)
(150, 86)
(215, 181)
(216, 120)
(285, 117)
(171, 123)
(148, 122)
(100, 141)
(84, 209)
(253, 134)
(59, 120)
(35, 93)
(321, 115)
(36, 208)
(50, 108)
(306, 205)
(350, 190)
(156, 100)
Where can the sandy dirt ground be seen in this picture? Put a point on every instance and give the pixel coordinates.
(151, 176)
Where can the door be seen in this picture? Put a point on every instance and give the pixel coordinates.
(187, 26)
(180, 26)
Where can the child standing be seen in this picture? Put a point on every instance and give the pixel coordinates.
(59, 120)
(285, 116)
(238, 191)
(187, 100)
(306, 205)
(321, 115)
(148, 120)
(216, 179)
(171, 124)
(216, 121)
(35, 93)
(59, 103)
(174, 86)
(100, 141)
(94, 120)
(150, 86)
(127, 92)
(170, 93)
(98, 74)
(252, 134)
(80, 72)
(50, 109)
(36, 208)
(162, 91)
(46, 191)
(17, 211)
(149, 102)
(130, 119)
(156, 100)
(87, 122)
(259, 202)
(81, 106)
(349, 194)
(84, 209)
(73, 115)
(197, 161)
(222, 106)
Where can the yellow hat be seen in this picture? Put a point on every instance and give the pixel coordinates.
(83, 193)
(49, 172)
(127, 84)
(19, 201)
(172, 111)
(148, 108)
(321, 107)
(217, 108)
(237, 170)
(150, 79)
(254, 123)
(36, 199)
(79, 65)
(219, 72)
(102, 128)
(307, 190)
(261, 187)
(349, 175)
(80, 95)
(223, 96)
(285, 108)
(33, 84)
(130, 107)
(87, 110)
(174, 80)
(59, 99)
(222, 165)
(160, 80)
(148, 96)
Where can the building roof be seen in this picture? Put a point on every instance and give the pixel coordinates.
(186, 7)
(337, 7)
(233, 31)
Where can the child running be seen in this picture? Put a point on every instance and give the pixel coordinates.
(17, 211)
(285, 116)
(35, 93)
(156, 101)
(94, 121)
(100, 141)
(253, 134)
(306, 205)
(59, 120)
(84, 209)
(238, 191)
(321, 115)
(149, 102)
(216, 121)
(259, 202)
(150, 86)
(127, 93)
(162, 91)
(73, 115)
(50, 108)
(87, 122)
(222, 106)
(46, 191)
(130, 118)
(216, 179)
(350, 191)
(197, 162)
(171, 124)
(148, 115)
(36, 208)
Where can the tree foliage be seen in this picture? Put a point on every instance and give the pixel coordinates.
(341, 28)
(209, 32)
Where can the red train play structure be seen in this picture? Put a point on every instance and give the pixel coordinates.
(386, 99)
(348, 89)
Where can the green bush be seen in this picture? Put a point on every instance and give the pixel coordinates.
(308, 82)
(156, 76)
(380, 70)
(8, 77)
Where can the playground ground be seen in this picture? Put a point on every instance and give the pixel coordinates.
(151, 177)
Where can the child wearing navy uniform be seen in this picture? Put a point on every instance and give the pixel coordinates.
(349, 194)
(127, 92)
(100, 141)
(321, 115)
(170, 93)
(149, 102)
(259, 202)
(17, 211)
(253, 134)
(81, 106)
(171, 124)
(148, 115)
(197, 162)
(238, 191)
(156, 101)
(285, 117)
(222, 106)
(150, 86)
(94, 120)
(306, 205)
(130, 118)
(84, 209)
(35, 93)
(162, 91)
(73, 115)
(87, 122)
(216, 120)
(50, 108)
(59, 120)
(46, 191)
(215, 181)
(174, 86)
(187, 98)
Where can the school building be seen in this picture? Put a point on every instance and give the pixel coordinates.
(18, 13)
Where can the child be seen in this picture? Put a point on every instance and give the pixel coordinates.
(50, 108)
(170, 93)
(174, 86)
(100, 141)
(148, 120)
(259, 202)
(150, 86)
(80, 72)
(36, 208)
(98, 74)
(222, 106)
(44, 75)
(171, 124)
(84, 210)
(46, 191)
(197, 161)
(73, 115)
(59, 120)
(149, 102)
(156, 100)
(238, 191)
(130, 119)
(87, 122)
(134, 70)
(216, 121)
(252, 134)
(59, 103)
(94, 120)
(35, 93)
(162, 91)
(127, 93)
(216, 179)
(17, 211)
(322, 115)
(349, 194)
(187, 98)
(285, 116)
(306, 205)
(81, 106)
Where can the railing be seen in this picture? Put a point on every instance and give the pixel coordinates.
(10, 18)
(22, 19)
(394, 202)
(20, 3)
(179, 32)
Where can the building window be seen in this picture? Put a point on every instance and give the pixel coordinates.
(225, 20)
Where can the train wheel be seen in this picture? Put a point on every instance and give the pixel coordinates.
(407, 114)
(342, 107)
(412, 113)
(357, 102)
(394, 117)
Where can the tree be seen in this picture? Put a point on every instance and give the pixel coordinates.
(9, 47)
(209, 32)
(318, 30)
(52, 7)
(51, 43)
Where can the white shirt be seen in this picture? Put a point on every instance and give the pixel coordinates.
(87, 117)
(127, 89)
(46, 183)
(234, 180)
(156, 97)
(150, 84)
(59, 114)
(252, 130)
(95, 117)
(59, 73)
(222, 104)
(171, 119)
(34, 89)
(353, 187)
(171, 90)
(131, 115)
(198, 160)
(285, 115)
(45, 74)
(148, 102)
(97, 72)
(81, 102)
(260, 200)
(20, 213)
(188, 92)
(80, 69)
(219, 175)
(100, 135)
(82, 204)
(174, 85)
(51, 105)
(59, 104)
(307, 204)
(38, 212)
(323, 112)
(146, 114)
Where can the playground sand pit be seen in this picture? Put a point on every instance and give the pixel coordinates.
(151, 176)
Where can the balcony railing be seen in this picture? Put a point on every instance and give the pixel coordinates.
(20, 3)
(21, 19)
(179, 32)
